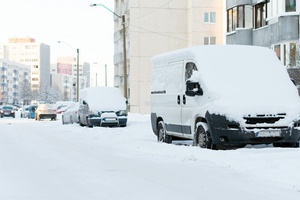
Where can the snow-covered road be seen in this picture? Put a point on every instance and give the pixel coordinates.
(45, 160)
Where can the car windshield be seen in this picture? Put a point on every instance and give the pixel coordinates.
(7, 108)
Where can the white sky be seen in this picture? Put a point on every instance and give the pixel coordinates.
(72, 21)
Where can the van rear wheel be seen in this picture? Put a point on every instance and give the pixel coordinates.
(162, 136)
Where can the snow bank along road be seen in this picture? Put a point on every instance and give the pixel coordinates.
(45, 160)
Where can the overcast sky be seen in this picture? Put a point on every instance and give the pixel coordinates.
(72, 21)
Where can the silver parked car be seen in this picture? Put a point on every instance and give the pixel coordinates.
(24, 112)
(45, 111)
(70, 115)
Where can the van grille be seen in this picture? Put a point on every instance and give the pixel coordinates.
(259, 119)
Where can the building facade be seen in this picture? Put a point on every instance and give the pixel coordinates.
(37, 55)
(68, 65)
(154, 27)
(14, 82)
(269, 23)
(66, 84)
(64, 76)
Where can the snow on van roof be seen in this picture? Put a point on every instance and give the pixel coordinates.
(240, 79)
(103, 98)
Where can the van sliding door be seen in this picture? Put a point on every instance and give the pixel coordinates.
(171, 79)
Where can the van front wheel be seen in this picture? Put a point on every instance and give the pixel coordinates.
(162, 136)
(203, 138)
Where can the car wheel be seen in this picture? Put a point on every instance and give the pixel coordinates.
(162, 136)
(203, 138)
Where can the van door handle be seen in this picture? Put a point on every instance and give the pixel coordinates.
(184, 99)
(178, 99)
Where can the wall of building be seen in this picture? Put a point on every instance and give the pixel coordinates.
(154, 27)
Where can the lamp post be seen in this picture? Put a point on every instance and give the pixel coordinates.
(124, 46)
(77, 50)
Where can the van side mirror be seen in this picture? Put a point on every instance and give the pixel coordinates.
(84, 102)
(193, 89)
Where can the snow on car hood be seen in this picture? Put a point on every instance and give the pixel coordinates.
(105, 99)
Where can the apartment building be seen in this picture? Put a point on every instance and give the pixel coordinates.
(66, 84)
(37, 55)
(269, 23)
(154, 27)
(14, 82)
(64, 76)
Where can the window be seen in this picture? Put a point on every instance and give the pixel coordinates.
(239, 17)
(210, 40)
(290, 5)
(234, 18)
(206, 40)
(209, 17)
(260, 14)
(293, 51)
(189, 69)
(284, 54)
(277, 50)
(229, 21)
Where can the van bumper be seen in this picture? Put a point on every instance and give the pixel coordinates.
(229, 133)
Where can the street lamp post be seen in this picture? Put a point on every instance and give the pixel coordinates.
(77, 59)
(124, 46)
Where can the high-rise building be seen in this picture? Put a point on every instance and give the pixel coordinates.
(37, 55)
(154, 27)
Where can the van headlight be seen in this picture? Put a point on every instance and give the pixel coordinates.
(121, 113)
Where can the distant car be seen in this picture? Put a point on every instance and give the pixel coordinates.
(61, 109)
(31, 111)
(102, 106)
(70, 116)
(45, 111)
(24, 112)
(7, 111)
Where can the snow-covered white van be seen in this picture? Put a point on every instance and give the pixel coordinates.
(224, 97)
(102, 106)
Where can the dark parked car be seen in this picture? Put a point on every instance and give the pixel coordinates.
(102, 106)
(7, 111)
